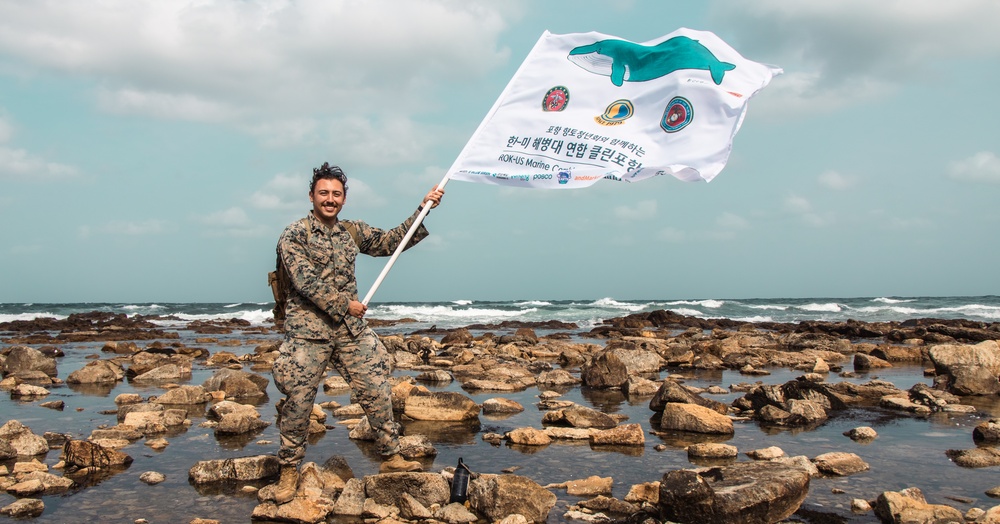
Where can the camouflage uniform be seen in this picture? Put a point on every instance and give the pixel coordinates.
(320, 263)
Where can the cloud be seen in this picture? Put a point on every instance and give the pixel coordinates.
(643, 210)
(232, 217)
(837, 181)
(282, 192)
(146, 227)
(287, 72)
(841, 53)
(671, 234)
(802, 208)
(25, 249)
(731, 221)
(980, 167)
(797, 204)
(18, 163)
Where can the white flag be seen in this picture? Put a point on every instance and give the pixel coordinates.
(588, 106)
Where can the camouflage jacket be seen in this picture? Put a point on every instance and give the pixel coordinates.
(320, 263)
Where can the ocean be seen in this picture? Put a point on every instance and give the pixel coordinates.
(584, 313)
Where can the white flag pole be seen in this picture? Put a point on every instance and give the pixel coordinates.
(447, 176)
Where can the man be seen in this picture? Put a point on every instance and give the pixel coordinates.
(325, 323)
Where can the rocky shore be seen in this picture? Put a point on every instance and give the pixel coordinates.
(649, 360)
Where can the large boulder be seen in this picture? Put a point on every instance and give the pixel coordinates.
(672, 391)
(605, 371)
(579, 417)
(184, 395)
(85, 454)
(21, 440)
(497, 496)
(694, 418)
(97, 372)
(235, 418)
(240, 468)
(440, 405)
(24, 359)
(237, 384)
(969, 369)
(426, 488)
(757, 492)
(909, 505)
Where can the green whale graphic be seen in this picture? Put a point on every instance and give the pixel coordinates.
(627, 61)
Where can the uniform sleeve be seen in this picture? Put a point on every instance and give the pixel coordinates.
(305, 276)
(382, 243)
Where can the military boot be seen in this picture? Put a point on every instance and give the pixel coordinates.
(284, 490)
(396, 463)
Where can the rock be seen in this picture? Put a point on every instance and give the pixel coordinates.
(694, 418)
(22, 359)
(640, 387)
(579, 417)
(235, 418)
(987, 432)
(411, 509)
(863, 362)
(557, 377)
(604, 371)
(351, 499)
(152, 477)
(57, 405)
(746, 492)
(184, 395)
(861, 434)
(625, 435)
(909, 505)
(712, 450)
(497, 496)
(455, 513)
(590, 486)
(860, 506)
(426, 488)
(39, 483)
(771, 453)
(501, 406)
(975, 458)
(438, 375)
(671, 391)
(237, 384)
(528, 437)
(83, 454)
(166, 372)
(23, 508)
(97, 372)
(647, 492)
(21, 440)
(840, 463)
(28, 391)
(969, 369)
(240, 468)
(440, 405)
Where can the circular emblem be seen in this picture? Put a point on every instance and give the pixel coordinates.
(616, 113)
(556, 99)
(677, 115)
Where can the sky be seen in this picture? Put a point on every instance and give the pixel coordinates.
(153, 151)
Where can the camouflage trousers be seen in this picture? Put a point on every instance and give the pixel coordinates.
(301, 364)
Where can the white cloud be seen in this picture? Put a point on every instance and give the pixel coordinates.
(642, 210)
(845, 52)
(802, 208)
(282, 192)
(731, 221)
(18, 163)
(797, 204)
(980, 167)
(362, 195)
(229, 218)
(146, 227)
(286, 71)
(6, 130)
(835, 180)
(670, 234)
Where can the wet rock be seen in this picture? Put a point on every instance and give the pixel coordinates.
(987, 432)
(712, 450)
(237, 384)
(671, 391)
(455, 513)
(909, 505)
(440, 405)
(561, 433)
(39, 483)
(501, 406)
(640, 387)
(426, 488)
(184, 395)
(745, 492)
(528, 437)
(625, 435)
(145, 361)
(579, 417)
(23, 508)
(590, 486)
(411, 509)
(968, 369)
(770, 453)
(97, 372)
(152, 477)
(21, 440)
(22, 359)
(557, 377)
(694, 418)
(975, 458)
(438, 375)
(633, 352)
(863, 362)
(840, 463)
(351, 499)
(83, 454)
(235, 418)
(497, 496)
(605, 370)
(240, 468)
(120, 348)
(645, 493)
(27, 391)
(861, 434)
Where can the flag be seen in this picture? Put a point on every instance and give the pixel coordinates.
(587, 106)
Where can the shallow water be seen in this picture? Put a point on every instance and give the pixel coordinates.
(909, 451)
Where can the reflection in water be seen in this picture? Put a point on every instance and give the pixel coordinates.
(444, 432)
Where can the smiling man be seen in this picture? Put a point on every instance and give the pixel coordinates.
(325, 324)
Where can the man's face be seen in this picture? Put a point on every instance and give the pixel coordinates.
(327, 198)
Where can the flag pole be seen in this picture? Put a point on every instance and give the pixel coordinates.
(447, 175)
(402, 244)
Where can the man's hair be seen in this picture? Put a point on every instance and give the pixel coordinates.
(326, 171)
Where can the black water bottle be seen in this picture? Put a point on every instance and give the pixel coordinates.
(460, 483)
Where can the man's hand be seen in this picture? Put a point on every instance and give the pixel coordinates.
(434, 196)
(356, 309)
